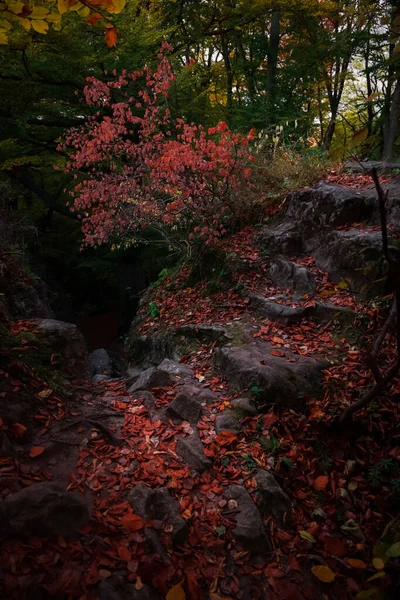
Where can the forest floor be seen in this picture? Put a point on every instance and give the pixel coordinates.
(99, 440)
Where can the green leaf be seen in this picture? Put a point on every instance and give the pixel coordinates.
(286, 461)
(307, 536)
(221, 530)
(394, 551)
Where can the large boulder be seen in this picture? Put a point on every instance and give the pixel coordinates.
(286, 274)
(249, 529)
(283, 380)
(43, 509)
(100, 363)
(67, 344)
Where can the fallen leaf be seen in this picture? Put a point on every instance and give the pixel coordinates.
(321, 482)
(394, 551)
(335, 546)
(45, 393)
(18, 429)
(376, 576)
(356, 563)
(323, 573)
(307, 536)
(378, 564)
(132, 522)
(124, 553)
(36, 451)
(225, 438)
(176, 593)
(138, 584)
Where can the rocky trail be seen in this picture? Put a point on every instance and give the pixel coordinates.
(209, 470)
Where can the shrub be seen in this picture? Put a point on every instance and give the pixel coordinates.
(139, 168)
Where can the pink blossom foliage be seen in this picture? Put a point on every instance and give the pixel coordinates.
(139, 168)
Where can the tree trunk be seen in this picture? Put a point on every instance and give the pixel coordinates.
(393, 125)
(273, 49)
(229, 78)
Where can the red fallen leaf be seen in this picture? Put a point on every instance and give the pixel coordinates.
(356, 563)
(334, 546)
(277, 340)
(36, 451)
(124, 553)
(269, 419)
(132, 522)
(94, 18)
(225, 438)
(18, 429)
(278, 353)
(104, 573)
(111, 36)
(321, 482)
(192, 586)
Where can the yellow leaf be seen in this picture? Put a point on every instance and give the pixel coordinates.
(5, 25)
(307, 536)
(367, 594)
(63, 6)
(76, 7)
(39, 12)
(138, 584)
(16, 7)
(3, 37)
(54, 18)
(176, 593)
(45, 393)
(26, 23)
(323, 573)
(378, 564)
(376, 576)
(84, 12)
(40, 26)
(116, 6)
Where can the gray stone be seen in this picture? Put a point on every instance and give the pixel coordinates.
(42, 509)
(175, 369)
(99, 363)
(227, 422)
(283, 380)
(190, 448)
(149, 400)
(286, 274)
(202, 330)
(185, 407)
(273, 500)
(149, 379)
(249, 529)
(67, 342)
(284, 238)
(158, 504)
(245, 405)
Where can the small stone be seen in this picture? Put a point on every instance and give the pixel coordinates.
(245, 405)
(42, 509)
(185, 407)
(249, 529)
(353, 530)
(99, 378)
(227, 422)
(178, 370)
(149, 379)
(273, 500)
(191, 450)
(158, 504)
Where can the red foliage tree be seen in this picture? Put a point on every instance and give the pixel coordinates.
(139, 168)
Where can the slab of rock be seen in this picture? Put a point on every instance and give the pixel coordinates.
(190, 448)
(284, 238)
(245, 405)
(176, 369)
(67, 342)
(227, 422)
(279, 313)
(353, 255)
(249, 529)
(149, 379)
(273, 500)
(286, 274)
(327, 205)
(158, 504)
(43, 509)
(99, 363)
(278, 379)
